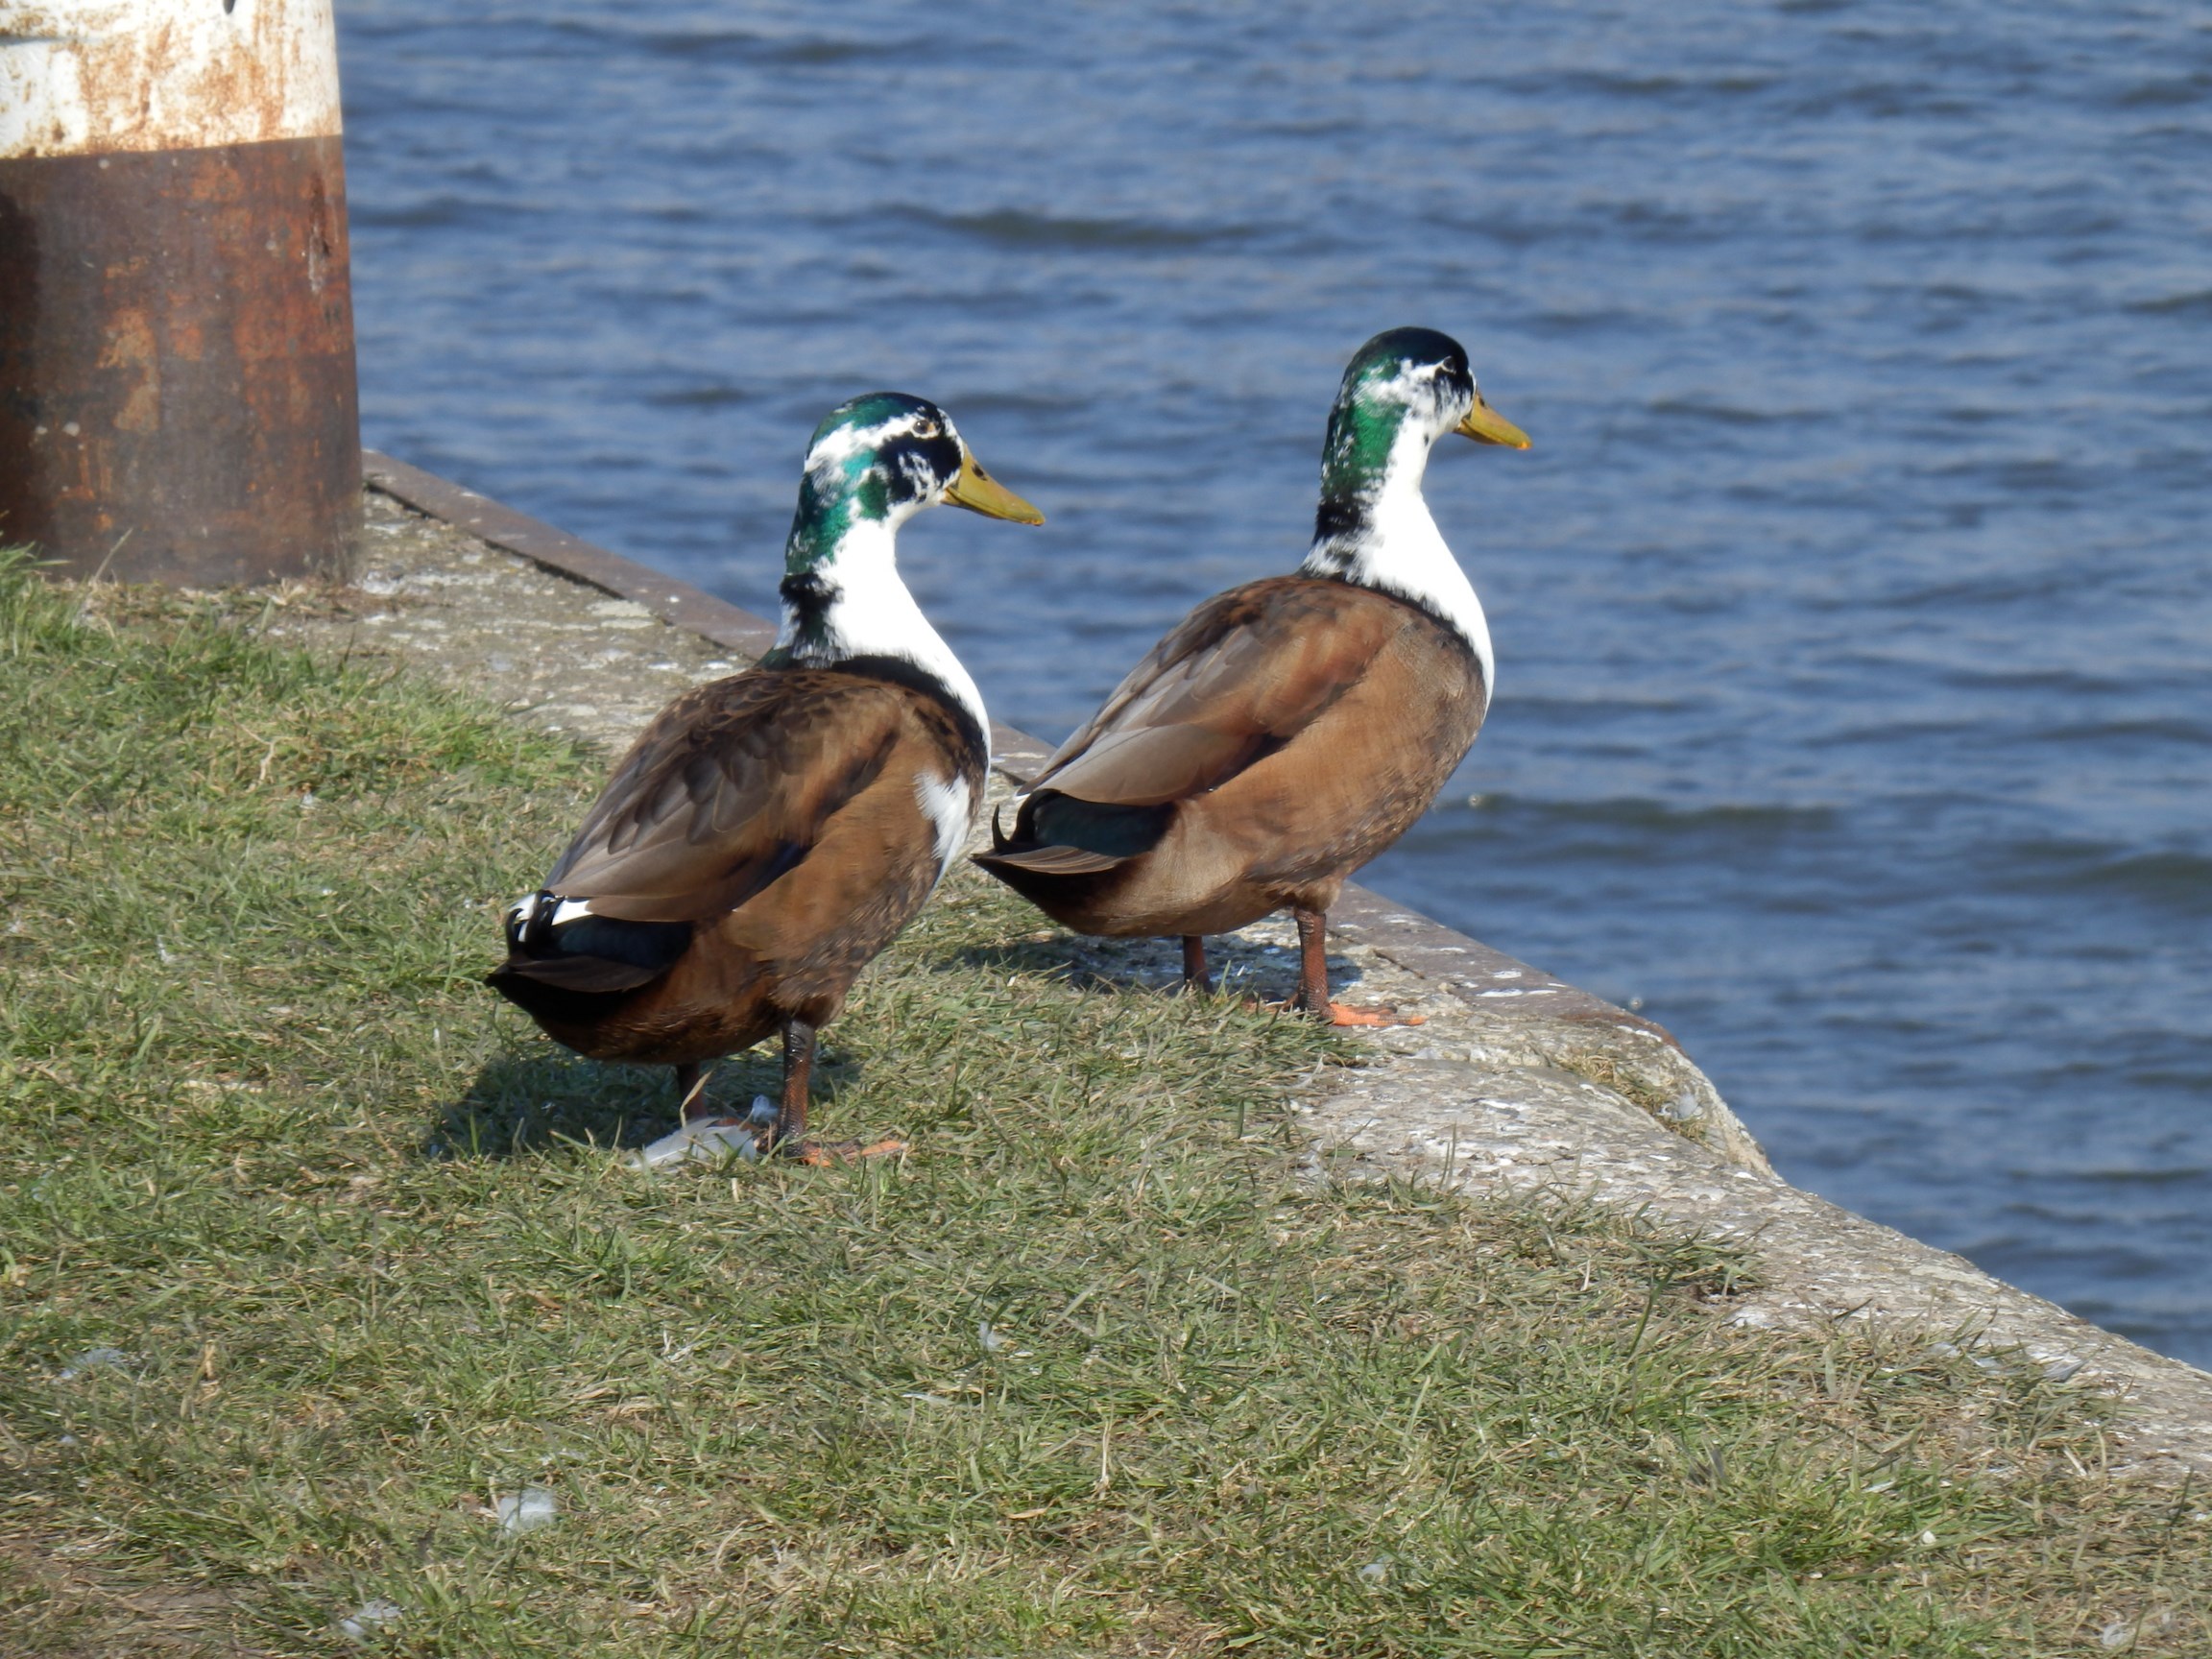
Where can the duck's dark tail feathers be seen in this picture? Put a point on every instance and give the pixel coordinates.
(1059, 839)
(1050, 861)
(558, 951)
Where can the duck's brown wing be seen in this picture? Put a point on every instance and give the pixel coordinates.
(731, 786)
(1242, 675)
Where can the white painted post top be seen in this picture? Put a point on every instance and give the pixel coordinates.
(90, 77)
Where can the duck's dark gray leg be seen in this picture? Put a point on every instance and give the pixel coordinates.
(1312, 963)
(1195, 973)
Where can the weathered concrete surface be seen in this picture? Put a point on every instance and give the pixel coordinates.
(1512, 1080)
(564, 657)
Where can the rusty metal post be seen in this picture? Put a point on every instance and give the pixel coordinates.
(177, 390)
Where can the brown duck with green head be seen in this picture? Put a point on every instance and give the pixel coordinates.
(1292, 729)
(769, 834)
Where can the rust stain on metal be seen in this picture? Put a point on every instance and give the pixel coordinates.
(177, 361)
(131, 347)
(175, 319)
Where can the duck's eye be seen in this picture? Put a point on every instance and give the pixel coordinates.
(926, 427)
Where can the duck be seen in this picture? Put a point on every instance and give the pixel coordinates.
(1288, 730)
(769, 834)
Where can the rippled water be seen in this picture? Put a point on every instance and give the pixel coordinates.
(1852, 610)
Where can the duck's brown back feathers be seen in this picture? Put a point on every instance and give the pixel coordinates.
(1283, 735)
(764, 838)
(731, 785)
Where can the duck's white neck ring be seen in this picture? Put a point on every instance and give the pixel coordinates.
(1384, 538)
(850, 605)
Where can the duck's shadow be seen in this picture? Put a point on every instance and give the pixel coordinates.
(537, 1096)
(1248, 964)
(528, 1102)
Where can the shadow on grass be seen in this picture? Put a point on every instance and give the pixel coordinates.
(1240, 967)
(527, 1104)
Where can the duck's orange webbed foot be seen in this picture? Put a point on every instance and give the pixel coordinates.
(825, 1154)
(1344, 1014)
(1340, 1013)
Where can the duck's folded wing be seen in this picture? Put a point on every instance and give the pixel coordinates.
(1242, 676)
(731, 787)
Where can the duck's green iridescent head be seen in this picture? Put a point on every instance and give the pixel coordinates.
(1405, 383)
(879, 458)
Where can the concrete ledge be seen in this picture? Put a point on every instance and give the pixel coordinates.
(1512, 1081)
(675, 603)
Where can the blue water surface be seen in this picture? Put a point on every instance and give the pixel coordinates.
(1852, 610)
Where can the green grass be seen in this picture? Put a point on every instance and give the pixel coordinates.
(1091, 1372)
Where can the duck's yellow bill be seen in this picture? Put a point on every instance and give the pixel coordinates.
(1485, 425)
(979, 492)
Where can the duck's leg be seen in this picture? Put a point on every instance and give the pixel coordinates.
(797, 1082)
(790, 1133)
(1313, 996)
(1194, 974)
(1314, 976)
